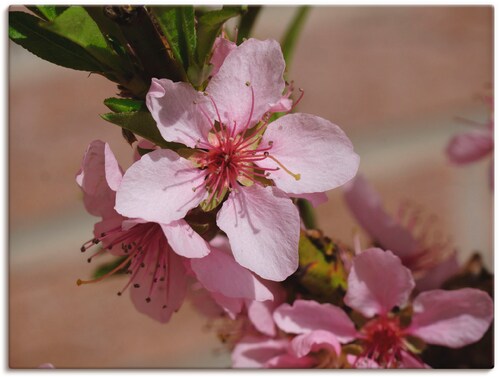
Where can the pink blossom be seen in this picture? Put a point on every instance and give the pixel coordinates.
(431, 261)
(239, 159)
(472, 146)
(157, 273)
(313, 334)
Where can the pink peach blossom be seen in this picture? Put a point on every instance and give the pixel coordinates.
(432, 262)
(237, 154)
(155, 264)
(312, 334)
(472, 146)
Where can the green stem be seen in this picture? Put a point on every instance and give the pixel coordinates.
(290, 38)
(306, 212)
(247, 22)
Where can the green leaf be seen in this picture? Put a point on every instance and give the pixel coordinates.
(25, 30)
(124, 105)
(140, 123)
(76, 25)
(247, 22)
(47, 12)
(209, 26)
(292, 34)
(106, 268)
(178, 26)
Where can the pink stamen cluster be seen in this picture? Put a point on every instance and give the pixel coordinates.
(383, 341)
(229, 157)
(146, 250)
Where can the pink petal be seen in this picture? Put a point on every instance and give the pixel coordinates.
(261, 313)
(377, 282)
(263, 227)
(113, 171)
(306, 316)
(231, 306)
(257, 65)
(261, 316)
(159, 188)
(470, 146)
(287, 361)
(313, 147)
(184, 240)
(314, 341)
(283, 105)
(436, 276)
(170, 292)
(177, 109)
(365, 205)
(316, 198)
(254, 352)
(219, 272)
(222, 48)
(409, 361)
(98, 162)
(451, 318)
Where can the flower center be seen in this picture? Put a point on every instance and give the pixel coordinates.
(145, 256)
(383, 341)
(229, 158)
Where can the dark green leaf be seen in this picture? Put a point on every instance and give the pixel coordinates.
(178, 26)
(247, 22)
(76, 25)
(25, 30)
(106, 268)
(292, 34)
(47, 12)
(140, 123)
(124, 105)
(209, 26)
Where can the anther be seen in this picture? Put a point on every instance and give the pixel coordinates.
(270, 143)
(119, 293)
(89, 260)
(148, 299)
(137, 285)
(164, 307)
(79, 282)
(82, 249)
(247, 83)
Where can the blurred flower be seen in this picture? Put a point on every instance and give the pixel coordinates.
(472, 146)
(237, 154)
(431, 261)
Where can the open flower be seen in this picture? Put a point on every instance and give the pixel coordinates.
(431, 261)
(238, 159)
(377, 284)
(158, 278)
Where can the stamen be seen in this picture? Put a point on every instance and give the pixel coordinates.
(296, 176)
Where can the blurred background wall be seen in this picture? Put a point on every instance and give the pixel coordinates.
(394, 78)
